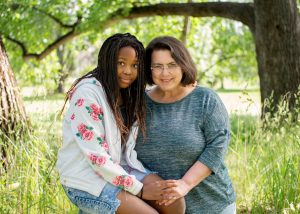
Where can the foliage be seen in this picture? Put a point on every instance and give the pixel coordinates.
(263, 164)
(267, 154)
(38, 23)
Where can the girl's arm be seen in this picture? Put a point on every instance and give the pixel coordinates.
(86, 118)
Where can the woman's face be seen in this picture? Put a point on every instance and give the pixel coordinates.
(127, 67)
(166, 73)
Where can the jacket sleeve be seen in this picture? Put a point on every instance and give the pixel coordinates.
(88, 129)
(217, 134)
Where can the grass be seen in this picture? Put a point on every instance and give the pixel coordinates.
(264, 163)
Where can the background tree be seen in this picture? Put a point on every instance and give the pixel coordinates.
(276, 37)
(12, 113)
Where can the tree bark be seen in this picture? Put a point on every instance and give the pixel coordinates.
(277, 50)
(12, 112)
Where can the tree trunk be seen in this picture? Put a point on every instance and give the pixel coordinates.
(278, 50)
(12, 113)
(66, 61)
(186, 27)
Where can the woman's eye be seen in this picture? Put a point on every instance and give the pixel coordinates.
(136, 66)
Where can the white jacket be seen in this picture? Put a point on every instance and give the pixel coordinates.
(91, 150)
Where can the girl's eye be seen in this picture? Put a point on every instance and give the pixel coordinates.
(136, 66)
(121, 63)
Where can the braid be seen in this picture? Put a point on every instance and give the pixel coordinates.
(106, 74)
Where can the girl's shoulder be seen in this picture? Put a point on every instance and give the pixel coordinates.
(87, 87)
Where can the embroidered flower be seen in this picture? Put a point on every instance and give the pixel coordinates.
(118, 181)
(72, 116)
(105, 146)
(103, 142)
(81, 128)
(123, 181)
(95, 111)
(87, 135)
(79, 102)
(98, 160)
(85, 132)
(93, 158)
(127, 181)
(101, 160)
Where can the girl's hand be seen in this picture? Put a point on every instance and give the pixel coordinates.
(175, 190)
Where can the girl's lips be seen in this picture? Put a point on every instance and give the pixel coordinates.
(125, 80)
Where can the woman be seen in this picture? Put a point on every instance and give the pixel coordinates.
(187, 131)
(98, 167)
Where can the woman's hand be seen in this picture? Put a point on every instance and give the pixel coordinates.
(155, 190)
(176, 189)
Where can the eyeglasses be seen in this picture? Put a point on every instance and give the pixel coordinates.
(158, 68)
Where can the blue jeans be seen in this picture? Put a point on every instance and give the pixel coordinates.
(107, 202)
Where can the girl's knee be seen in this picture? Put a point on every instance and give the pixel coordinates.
(181, 205)
(178, 207)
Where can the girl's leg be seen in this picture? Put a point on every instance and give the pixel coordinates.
(132, 204)
(178, 207)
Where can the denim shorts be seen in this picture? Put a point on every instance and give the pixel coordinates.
(107, 202)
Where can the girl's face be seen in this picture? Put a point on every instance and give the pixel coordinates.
(127, 67)
(166, 73)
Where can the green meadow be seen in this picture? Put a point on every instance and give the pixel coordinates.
(264, 163)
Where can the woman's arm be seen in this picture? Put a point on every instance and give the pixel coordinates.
(215, 128)
(197, 173)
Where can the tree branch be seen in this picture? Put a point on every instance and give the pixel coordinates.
(57, 20)
(243, 12)
(39, 56)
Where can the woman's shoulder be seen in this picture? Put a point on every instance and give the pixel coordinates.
(205, 92)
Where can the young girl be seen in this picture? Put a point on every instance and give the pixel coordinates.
(98, 166)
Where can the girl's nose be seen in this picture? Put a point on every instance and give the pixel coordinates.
(127, 70)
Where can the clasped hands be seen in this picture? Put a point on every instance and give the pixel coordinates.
(165, 192)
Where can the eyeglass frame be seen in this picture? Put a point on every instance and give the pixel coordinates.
(170, 67)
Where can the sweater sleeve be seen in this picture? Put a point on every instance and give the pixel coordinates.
(216, 132)
(88, 129)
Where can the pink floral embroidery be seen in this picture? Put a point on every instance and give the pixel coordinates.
(123, 181)
(101, 161)
(79, 102)
(85, 132)
(87, 135)
(118, 181)
(81, 128)
(127, 182)
(73, 116)
(98, 160)
(95, 111)
(103, 142)
(93, 158)
(105, 146)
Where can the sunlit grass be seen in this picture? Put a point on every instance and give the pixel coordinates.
(264, 164)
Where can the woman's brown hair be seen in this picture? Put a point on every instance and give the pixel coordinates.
(178, 52)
